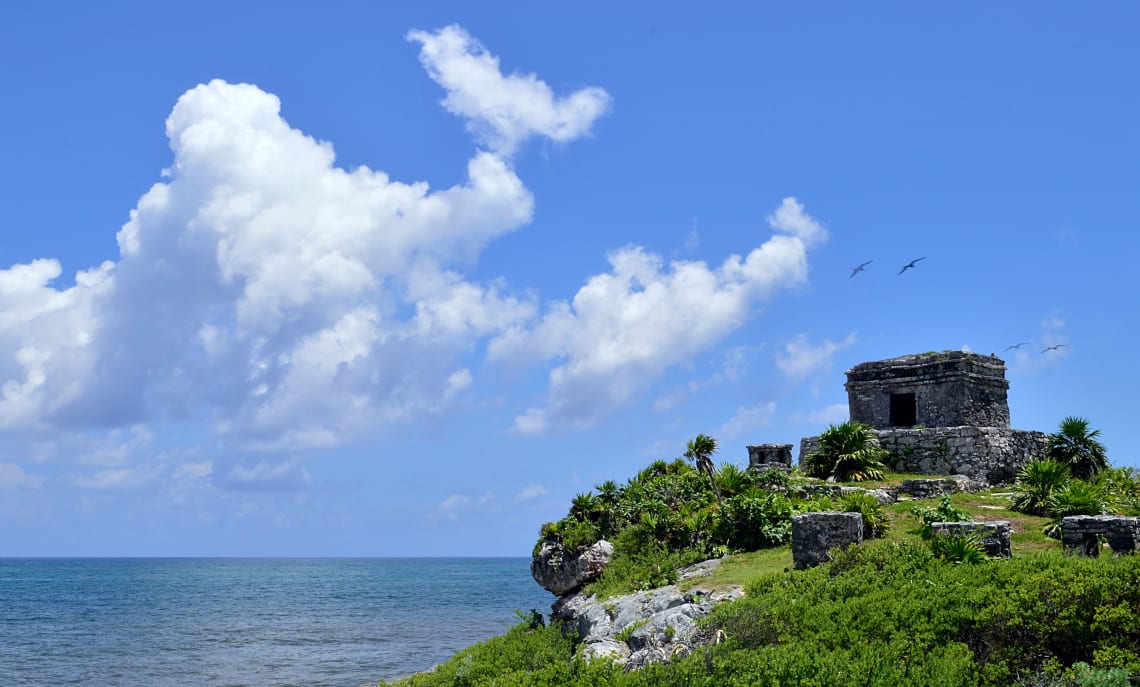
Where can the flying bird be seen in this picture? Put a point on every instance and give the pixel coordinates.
(911, 264)
(857, 270)
(1053, 348)
(1016, 346)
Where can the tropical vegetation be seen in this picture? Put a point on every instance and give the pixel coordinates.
(848, 452)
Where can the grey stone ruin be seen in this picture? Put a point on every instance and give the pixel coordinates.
(995, 536)
(764, 456)
(1081, 534)
(940, 414)
(815, 534)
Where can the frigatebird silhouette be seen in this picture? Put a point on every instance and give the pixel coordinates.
(1053, 348)
(911, 264)
(857, 270)
(1016, 346)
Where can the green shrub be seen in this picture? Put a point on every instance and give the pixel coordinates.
(875, 521)
(848, 452)
(1078, 447)
(754, 520)
(945, 512)
(958, 548)
(1038, 482)
(1077, 498)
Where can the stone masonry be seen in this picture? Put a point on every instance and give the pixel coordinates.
(764, 456)
(940, 414)
(1081, 534)
(995, 535)
(815, 534)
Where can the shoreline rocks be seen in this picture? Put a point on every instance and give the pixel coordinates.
(561, 572)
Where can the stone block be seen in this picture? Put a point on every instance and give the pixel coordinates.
(814, 535)
(1081, 534)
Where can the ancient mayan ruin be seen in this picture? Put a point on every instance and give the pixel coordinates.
(940, 414)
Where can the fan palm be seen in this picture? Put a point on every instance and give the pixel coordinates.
(700, 451)
(848, 452)
(1038, 481)
(1075, 444)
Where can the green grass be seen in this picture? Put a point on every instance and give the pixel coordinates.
(742, 568)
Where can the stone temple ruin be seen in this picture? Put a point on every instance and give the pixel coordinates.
(940, 414)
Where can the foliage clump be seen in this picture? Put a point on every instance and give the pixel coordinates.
(848, 452)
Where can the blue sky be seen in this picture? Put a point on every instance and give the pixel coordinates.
(372, 280)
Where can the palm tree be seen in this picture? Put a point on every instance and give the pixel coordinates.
(1038, 482)
(848, 452)
(700, 452)
(1074, 444)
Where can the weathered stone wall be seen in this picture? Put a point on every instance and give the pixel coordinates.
(815, 534)
(1081, 534)
(995, 535)
(989, 454)
(764, 456)
(950, 389)
(928, 488)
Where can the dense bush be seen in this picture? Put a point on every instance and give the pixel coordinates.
(882, 614)
(848, 452)
(1038, 482)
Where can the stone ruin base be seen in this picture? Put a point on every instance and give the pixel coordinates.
(815, 534)
(1081, 534)
(986, 454)
(994, 535)
(764, 456)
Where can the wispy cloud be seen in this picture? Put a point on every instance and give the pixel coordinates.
(747, 419)
(802, 359)
(530, 492)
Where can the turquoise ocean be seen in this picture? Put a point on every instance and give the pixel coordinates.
(232, 622)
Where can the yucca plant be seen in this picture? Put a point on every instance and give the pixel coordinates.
(1077, 446)
(848, 452)
(1038, 482)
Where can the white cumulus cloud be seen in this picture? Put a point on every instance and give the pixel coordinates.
(801, 358)
(503, 110)
(623, 328)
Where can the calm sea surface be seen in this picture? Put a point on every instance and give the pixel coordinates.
(215, 622)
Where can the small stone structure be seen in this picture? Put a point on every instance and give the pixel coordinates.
(815, 534)
(994, 535)
(764, 456)
(940, 414)
(1081, 534)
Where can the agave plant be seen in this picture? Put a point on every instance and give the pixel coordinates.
(1077, 446)
(1038, 482)
(848, 452)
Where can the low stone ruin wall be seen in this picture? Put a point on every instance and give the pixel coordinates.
(928, 488)
(815, 534)
(995, 536)
(987, 454)
(761, 457)
(1081, 534)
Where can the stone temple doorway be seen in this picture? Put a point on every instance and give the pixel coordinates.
(904, 412)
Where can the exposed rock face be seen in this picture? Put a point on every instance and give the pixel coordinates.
(1081, 534)
(815, 534)
(994, 535)
(645, 627)
(561, 572)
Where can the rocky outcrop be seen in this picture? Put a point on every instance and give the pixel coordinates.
(645, 627)
(560, 571)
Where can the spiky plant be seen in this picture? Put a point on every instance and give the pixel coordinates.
(875, 521)
(1077, 446)
(848, 452)
(957, 548)
(699, 451)
(1077, 498)
(1038, 482)
(732, 480)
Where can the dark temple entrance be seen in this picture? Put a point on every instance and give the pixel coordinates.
(903, 411)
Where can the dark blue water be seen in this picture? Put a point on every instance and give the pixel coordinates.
(215, 622)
